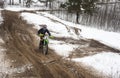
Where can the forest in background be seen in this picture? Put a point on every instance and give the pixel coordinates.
(106, 16)
(106, 13)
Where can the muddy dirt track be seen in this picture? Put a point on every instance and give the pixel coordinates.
(21, 47)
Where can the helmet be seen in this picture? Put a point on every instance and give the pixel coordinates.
(43, 25)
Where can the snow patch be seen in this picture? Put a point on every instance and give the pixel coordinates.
(1, 19)
(20, 69)
(62, 48)
(111, 39)
(5, 64)
(107, 63)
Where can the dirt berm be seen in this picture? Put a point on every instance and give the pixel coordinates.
(20, 43)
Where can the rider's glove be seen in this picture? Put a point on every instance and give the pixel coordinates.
(51, 37)
(41, 35)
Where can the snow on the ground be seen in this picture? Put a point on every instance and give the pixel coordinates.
(60, 20)
(3, 63)
(18, 8)
(34, 6)
(62, 48)
(1, 19)
(57, 29)
(107, 63)
(111, 39)
(102, 62)
(38, 20)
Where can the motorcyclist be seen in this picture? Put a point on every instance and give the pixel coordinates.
(41, 32)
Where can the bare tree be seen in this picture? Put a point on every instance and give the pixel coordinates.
(12, 2)
(20, 1)
(28, 3)
(1, 4)
(77, 6)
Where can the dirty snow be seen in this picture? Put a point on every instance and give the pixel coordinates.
(5, 64)
(58, 29)
(62, 48)
(107, 63)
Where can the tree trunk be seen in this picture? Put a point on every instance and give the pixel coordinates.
(46, 3)
(77, 17)
(50, 4)
(20, 1)
(28, 3)
(12, 2)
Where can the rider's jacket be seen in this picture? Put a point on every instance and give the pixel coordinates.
(43, 31)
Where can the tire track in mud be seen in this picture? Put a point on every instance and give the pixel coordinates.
(20, 40)
(17, 42)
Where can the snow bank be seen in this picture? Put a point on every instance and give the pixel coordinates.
(67, 23)
(111, 39)
(57, 28)
(107, 63)
(62, 48)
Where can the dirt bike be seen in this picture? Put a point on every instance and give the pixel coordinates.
(44, 45)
